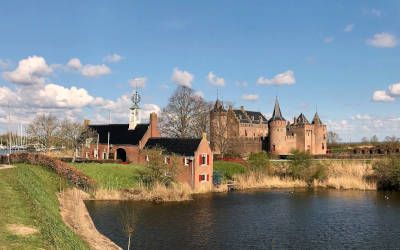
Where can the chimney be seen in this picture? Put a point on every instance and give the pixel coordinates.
(153, 125)
(242, 108)
(86, 123)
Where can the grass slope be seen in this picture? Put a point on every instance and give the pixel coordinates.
(111, 175)
(28, 196)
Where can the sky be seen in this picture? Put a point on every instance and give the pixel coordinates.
(82, 59)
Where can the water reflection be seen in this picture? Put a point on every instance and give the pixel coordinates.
(260, 219)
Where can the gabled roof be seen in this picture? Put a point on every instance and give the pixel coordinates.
(277, 114)
(119, 133)
(316, 119)
(302, 119)
(180, 146)
(246, 116)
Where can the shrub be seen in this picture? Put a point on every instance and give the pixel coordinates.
(301, 167)
(259, 162)
(387, 172)
(63, 169)
(157, 170)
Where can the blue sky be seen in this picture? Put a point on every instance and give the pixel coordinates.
(332, 55)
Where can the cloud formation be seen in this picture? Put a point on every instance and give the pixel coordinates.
(382, 96)
(215, 80)
(138, 82)
(394, 89)
(113, 58)
(382, 40)
(328, 39)
(250, 97)
(285, 78)
(30, 71)
(88, 70)
(349, 28)
(182, 77)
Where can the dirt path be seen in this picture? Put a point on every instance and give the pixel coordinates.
(76, 216)
(6, 166)
(19, 229)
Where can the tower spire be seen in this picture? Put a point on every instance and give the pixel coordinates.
(134, 114)
(277, 114)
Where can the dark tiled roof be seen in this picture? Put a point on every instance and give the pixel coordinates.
(249, 116)
(277, 114)
(316, 119)
(180, 146)
(302, 119)
(241, 116)
(119, 133)
(257, 116)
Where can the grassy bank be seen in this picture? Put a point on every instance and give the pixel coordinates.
(28, 198)
(228, 169)
(111, 176)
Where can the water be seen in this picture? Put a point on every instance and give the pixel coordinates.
(324, 219)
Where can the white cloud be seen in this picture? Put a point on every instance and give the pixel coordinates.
(285, 78)
(199, 94)
(30, 71)
(328, 39)
(182, 77)
(361, 117)
(349, 28)
(382, 40)
(394, 89)
(382, 96)
(4, 64)
(138, 82)
(215, 80)
(113, 58)
(242, 84)
(88, 70)
(74, 63)
(250, 97)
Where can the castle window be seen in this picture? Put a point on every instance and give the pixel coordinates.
(273, 148)
(323, 146)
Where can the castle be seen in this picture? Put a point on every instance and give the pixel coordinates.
(241, 131)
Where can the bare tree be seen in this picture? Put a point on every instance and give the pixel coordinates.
(333, 138)
(374, 139)
(74, 134)
(185, 115)
(364, 140)
(43, 130)
(127, 220)
(219, 136)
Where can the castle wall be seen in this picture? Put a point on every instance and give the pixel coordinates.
(320, 140)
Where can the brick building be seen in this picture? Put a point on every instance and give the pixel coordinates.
(242, 131)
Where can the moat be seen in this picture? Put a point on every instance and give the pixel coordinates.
(262, 219)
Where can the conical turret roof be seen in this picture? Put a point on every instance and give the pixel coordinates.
(316, 119)
(219, 106)
(277, 114)
(302, 119)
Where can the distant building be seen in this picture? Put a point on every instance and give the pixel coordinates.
(241, 131)
(195, 157)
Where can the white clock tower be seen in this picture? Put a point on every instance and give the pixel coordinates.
(134, 118)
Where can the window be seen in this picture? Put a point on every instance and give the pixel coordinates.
(204, 177)
(204, 159)
(104, 155)
(95, 154)
(147, 158)
(273, 147)
(87, 155)
(323, 146)
(186, 161)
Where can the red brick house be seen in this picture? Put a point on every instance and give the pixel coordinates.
(118, 142)
(196, 167)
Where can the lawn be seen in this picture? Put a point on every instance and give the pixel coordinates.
(28, 197)
(111, 175)
(228, 169)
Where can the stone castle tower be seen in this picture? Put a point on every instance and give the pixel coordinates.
(242, 131)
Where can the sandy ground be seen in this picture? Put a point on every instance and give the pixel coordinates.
(22, 230)
(75, 215)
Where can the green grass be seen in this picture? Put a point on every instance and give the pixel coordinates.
(111, 175)
(28, 196)
(228, 169)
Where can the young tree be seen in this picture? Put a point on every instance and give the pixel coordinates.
(127, 220)
(220, 134)
(185, 114)
(374, 139)
(43, 129)
(259, 162)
